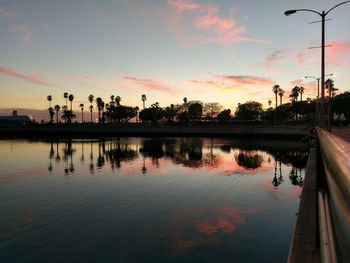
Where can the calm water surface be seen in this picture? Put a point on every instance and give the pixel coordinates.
(148, 200)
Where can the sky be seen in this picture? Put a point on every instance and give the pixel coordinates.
(222, 51)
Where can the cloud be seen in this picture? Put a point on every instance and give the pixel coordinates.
(31, 78)
(204, 25)
(82, 79)
(150, 84)
(246, 80)
(23, 31)
(5, 13)
(338, 54)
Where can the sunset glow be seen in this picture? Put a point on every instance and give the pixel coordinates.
(213, 51)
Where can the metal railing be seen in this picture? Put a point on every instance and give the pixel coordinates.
(334, 198)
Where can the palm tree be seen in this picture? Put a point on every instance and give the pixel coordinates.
(91, 108)
(117, 100)
(269, 102)
(82, 112)
(67, 114)
(91, 99)
(112, 101)
(71, 98)
(185, 102)
(301, 91)
(51, 114)
(65, 95)
(100, 105)
(295, 93)
(281, 93)
(276, 89)
(143, 98)
(57, 109)
(49, 98)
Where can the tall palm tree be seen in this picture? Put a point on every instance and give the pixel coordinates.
(185, 102)
(100, 105)
(143, 98)
(91, 99)
(111, 103)
(117, 100)
(65, 95)
(91, 108)
(275, 90)
(281, 93)
(57, 109)
(71, 98)
(82, 112)
(295, 93)
(49, 98)
(301, 91)
(51, 114)
(67, 114)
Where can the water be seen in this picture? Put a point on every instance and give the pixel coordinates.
(148, 200)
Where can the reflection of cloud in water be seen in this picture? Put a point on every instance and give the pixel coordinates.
(191, 228)
(16, 177)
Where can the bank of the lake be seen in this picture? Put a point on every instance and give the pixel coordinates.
(141, 129)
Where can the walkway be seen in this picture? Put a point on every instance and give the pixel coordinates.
(343, 132)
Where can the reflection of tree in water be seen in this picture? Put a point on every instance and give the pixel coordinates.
(295, 177)
(250, 160)
(117, 153)
(188, 152)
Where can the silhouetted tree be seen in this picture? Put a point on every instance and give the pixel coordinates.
(225, 115)
(250, 110)
(211, 109)
(67, 115)
(82, 111)
(294, 94)
(301, 92)
(51, 114)
(49, 98)
(118, 100)
(65, 95)
(281, 93)
(143, 98)
(170, 113)
(71, 98)
(57, 109)
(276, 88)
(153, 113)
(100, 106)
(195, 110)
(91, 99)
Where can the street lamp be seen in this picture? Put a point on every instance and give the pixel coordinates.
(323, 16)
(318, 92)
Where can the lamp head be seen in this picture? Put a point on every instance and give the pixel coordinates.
(290, 12)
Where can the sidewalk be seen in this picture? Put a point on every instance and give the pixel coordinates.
(343, 132)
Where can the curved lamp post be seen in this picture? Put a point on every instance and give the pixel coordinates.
(323, 16)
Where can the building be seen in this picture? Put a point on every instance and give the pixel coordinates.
(15, 118)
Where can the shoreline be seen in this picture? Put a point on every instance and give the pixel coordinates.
(139, 129)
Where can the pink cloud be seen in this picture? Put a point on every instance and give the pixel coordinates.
(150, 84)
(246, 80)
(5, 13)
(338, 54)
(31, 78)
(204, 25)
(185, 5)
(23, 31)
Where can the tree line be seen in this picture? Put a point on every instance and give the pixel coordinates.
(114, 112)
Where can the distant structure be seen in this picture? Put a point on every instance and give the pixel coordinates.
(15, 118)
